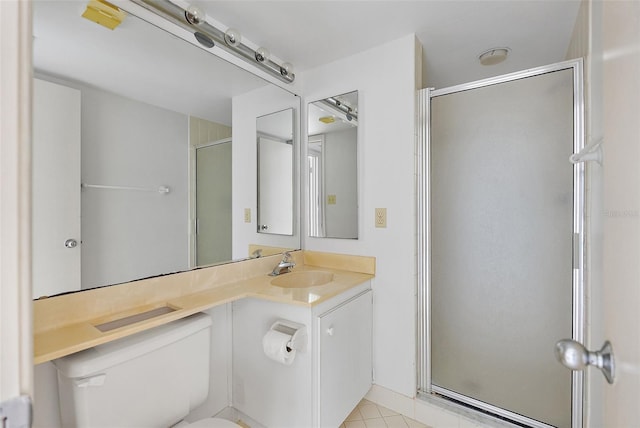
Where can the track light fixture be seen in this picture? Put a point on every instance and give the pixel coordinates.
(193, 19)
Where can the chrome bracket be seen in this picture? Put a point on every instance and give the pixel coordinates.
(16, 412)
(575, 356)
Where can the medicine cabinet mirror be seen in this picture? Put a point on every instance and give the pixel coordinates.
(275, 172)
(144, 102)
(332, 167)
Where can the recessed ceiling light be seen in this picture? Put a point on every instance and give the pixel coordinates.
(104, 13)
(493, 56)
(327, 119)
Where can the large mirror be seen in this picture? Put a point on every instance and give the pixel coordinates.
(275, 172)
(143, 120)
(332, 166)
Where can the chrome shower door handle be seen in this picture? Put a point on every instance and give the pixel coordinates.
(575, 356)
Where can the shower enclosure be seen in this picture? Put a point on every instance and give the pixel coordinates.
(501, 244)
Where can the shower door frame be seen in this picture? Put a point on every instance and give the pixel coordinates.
(423, 145)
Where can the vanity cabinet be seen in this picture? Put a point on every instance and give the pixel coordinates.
(344, 336)
(325, 381)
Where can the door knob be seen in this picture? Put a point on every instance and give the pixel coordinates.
(575, 356)
(71, 243)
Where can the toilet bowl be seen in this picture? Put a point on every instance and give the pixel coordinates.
(153, 378)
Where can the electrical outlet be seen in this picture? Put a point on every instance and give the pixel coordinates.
(381, 217)
(247, 215)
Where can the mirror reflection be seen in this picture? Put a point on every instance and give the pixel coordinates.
(332, 167)
(133, 114)
(275, 172)
(213, 202)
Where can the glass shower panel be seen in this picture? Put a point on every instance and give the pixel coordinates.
(501, 244)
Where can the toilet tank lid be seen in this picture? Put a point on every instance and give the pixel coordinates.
(91, 361)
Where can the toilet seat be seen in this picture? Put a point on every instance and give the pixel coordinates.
(213, 423)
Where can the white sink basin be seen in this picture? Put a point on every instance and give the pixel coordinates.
(302, 279)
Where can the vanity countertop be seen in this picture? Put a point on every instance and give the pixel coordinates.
(66, 324)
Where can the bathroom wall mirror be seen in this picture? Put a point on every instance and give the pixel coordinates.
(144, 101)
(332, 167)
(275, 172)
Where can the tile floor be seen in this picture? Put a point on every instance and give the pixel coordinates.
(370, 415)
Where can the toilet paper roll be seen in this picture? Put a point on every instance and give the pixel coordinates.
(274, 344)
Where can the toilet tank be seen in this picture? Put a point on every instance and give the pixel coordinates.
(150, 379)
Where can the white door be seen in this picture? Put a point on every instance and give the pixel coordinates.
(56, 189)
(275, 181)
(16, 346)
(621, 276)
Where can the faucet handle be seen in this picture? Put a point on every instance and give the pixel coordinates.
(286, 256)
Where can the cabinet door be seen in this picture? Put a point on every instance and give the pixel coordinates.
(345, 358)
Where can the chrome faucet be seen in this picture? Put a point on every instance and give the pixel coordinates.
(285, 265)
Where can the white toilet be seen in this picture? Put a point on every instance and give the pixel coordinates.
(151, 379)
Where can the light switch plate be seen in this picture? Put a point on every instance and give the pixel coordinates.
(247, 215)
(381, 217)
(331, 199)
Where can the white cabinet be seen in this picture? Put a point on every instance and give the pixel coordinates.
(345, 361)
(324, 382)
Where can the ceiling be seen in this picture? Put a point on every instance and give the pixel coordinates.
(453, 33)
(136, 60)
(145, 63)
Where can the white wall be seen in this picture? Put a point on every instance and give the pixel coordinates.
(386, 80)
(130, 234)
(246, 109)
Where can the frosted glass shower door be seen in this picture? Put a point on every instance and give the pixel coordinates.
(502, 217)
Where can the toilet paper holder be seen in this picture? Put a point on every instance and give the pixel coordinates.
(298, 333)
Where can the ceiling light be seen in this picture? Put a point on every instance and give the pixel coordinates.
(104, 13)
(327, 119)
(493, 56)
(262, 54)
(232, 37)
(344, 111)
(286, 69)
(194, 20)
(194, 15)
